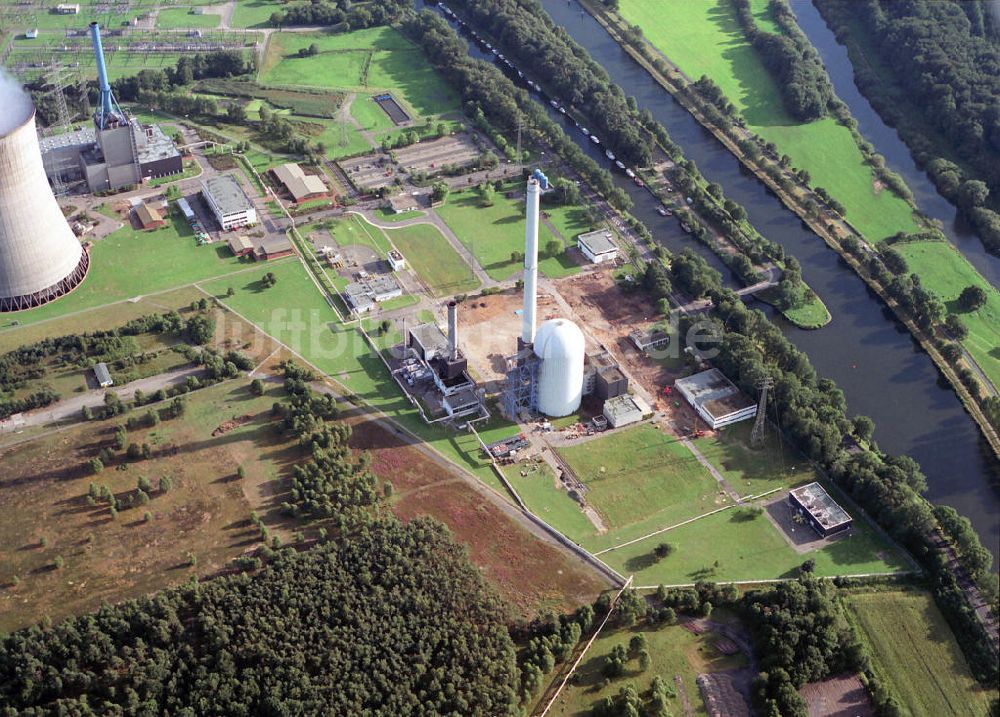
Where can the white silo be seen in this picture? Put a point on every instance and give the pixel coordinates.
(560, 346)
(40, 258)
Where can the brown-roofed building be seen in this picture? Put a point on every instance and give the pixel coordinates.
(240, 245)
(303, 187)
(149, 217)
(274, 248)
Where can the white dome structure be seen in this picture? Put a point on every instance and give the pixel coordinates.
(40, 258)
(559, 344)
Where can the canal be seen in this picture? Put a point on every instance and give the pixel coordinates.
(887, 142)
(881, 370)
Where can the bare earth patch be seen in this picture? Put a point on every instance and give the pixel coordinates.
(841, 696)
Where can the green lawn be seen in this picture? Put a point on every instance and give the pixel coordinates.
(727, 546)
(945, 272)
(353, 230)
(493, 233)
(811, 315)
(254, 13)
(754, 471)
(437, 264)
(342, 139)
(673, 651)
(915, 652)
(128, 263)
(642, 473)
(369, 115)
(569, 221)
(705, 38)
(183, 18)
(762, 16)
(553, 505)
(387, 215)
(374, 59)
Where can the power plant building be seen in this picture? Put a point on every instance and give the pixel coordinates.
(40, 257)
(812, 503)
(716, 399)
(598, 246)
(229, 203)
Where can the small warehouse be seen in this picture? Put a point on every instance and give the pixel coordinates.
(301, 186)
(625, 409)
(651, 340)
(103, 376)
(240, 245)
(598, 246)
(148, 217)
(400, 203)
(229, 203)
(274, 247)
(716, 399)
(813, 504)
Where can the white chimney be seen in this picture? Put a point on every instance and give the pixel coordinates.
(531, 261)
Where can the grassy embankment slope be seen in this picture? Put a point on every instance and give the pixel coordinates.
(494, 233)
(362, 63)
(706, 39)
(913, 649)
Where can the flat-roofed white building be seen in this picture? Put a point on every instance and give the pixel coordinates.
(598, 246)
(229, 203)
(716, 399)
(625, 409)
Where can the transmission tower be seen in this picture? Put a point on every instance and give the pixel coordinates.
(760, 425)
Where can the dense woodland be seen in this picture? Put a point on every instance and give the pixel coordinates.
(393, 621)
(796, 66)
(942, 93)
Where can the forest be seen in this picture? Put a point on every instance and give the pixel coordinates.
(939, 86)
(792, 60)
(393, 621)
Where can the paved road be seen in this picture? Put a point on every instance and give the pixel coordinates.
(72, 408)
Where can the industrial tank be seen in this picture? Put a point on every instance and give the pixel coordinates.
(40, 258)
(559, 344)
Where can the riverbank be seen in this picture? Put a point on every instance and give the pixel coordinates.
(828, 226)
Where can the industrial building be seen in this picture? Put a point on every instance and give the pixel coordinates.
(651, 340)
(602, 377)
(274, 247)
(301, 186)
(148, 217)
(371, 289)
(625, 409)
(716, 399)
(229, 203)
(115, 152)
(40, 258)
(598, 246)
(434, 374)
(396, 260)
(240, 245)
(813, 504)
(400, 203)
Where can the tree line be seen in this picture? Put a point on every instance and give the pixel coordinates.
(343, 14)
(394, 620)
(791, 59)
(942, 95)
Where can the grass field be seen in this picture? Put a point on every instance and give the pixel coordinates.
(811, 315)
(254, 13)
(553, 505)
(705, 38)
(204, 513)
(130, 263)
(353, 230)
(183, 18)
(916, 653)
(366, 61)
(437, 264)
(640, 473)
(387, 215)
(369, 115)
(945, 272)
(673, 651)
(493, 233)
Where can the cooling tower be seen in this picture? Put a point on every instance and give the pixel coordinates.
(40, 258)
(560, 345)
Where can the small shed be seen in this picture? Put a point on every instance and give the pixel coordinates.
(625, 409)
(32, 33)
(240, 245)
(148, 217)
(103, 376)
(275, 248)
(400, 203)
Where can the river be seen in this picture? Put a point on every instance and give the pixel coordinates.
(881, 370)
(886, 140)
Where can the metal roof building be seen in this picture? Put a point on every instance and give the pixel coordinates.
(40, 258)
(716, 399)
(824, 514)
(300, 185)
(103, 376)
(228, 202)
